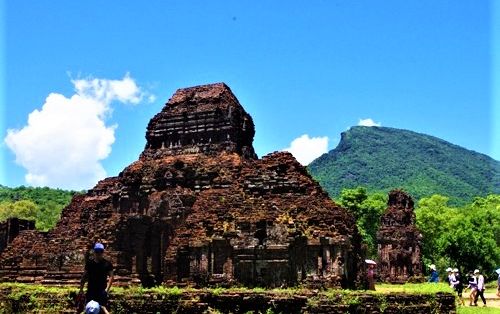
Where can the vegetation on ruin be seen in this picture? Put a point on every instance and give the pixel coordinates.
(43, 205)
(381, 159)
(42, 297)
(17, 290)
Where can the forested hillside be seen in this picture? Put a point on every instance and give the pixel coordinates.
(44, 205)
(381, 158)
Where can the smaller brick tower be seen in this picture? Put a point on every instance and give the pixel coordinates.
(399, 240)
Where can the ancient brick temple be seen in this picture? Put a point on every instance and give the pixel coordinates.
(199, 208)
(399, 241)
(10, 229)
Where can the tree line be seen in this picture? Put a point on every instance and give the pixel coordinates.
(466, 237)
(43, 205)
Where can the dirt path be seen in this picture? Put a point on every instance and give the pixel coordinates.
(491, 299)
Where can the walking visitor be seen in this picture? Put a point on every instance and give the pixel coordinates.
(458, 285)
(480, 288)
(434, 276)
(472, 280)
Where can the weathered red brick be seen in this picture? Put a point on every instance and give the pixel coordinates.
(198, 207)
(399, 241)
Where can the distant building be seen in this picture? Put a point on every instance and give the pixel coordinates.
(399, 241)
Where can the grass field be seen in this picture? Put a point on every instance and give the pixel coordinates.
(420, 288)
(478, 310)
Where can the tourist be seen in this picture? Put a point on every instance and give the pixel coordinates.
(472, 280)
(434, 277)
(458, 284)
(450, 276)
(370, 276)
(498, 282)
(95, 308)
(99, 274)
(480, 287)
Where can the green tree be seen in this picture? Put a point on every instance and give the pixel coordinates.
(367, 209)
(372, 209)
(47, 208)
(6, 210)
(352, 200)
(21, 209)
(466, 237)
(48, 216)
(432, 215)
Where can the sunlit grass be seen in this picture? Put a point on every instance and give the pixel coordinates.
(477, 310)
(160, 290)
(410, 288)
(491, 284)
(37, 289)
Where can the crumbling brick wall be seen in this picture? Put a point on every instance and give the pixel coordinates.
(10, 228)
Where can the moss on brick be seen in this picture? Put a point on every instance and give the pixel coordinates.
(22, 298)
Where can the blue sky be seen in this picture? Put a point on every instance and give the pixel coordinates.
(312, 68)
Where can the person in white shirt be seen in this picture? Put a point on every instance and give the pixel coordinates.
(480, 287)
(450, 276)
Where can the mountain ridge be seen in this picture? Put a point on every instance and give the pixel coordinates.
(382, 158)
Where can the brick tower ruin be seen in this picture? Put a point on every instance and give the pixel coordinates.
(199, 208)
(399, 241)
(10, 229)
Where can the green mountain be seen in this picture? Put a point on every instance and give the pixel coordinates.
(381, 158)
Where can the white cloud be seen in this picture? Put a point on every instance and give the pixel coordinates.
(65, 141)
(368, 122)
(305, 149)
(103, 90)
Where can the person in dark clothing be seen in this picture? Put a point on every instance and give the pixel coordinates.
(99, 275)
(458, 284)
(472, 280)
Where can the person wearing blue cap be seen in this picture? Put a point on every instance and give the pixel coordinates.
(99, 275)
